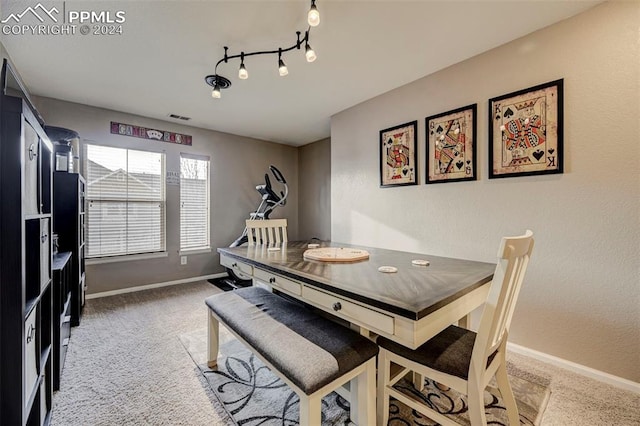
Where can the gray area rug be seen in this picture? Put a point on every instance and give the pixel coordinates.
(254, 396)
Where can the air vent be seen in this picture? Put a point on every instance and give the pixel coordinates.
(179, 117)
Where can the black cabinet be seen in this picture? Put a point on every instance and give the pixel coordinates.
(25, 261)
(68, 223)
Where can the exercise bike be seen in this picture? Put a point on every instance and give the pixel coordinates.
(269, 202)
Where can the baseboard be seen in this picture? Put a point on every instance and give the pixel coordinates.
(150, 286)
(592, 373)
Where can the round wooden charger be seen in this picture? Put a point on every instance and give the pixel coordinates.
(336, 254)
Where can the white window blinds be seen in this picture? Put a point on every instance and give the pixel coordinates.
(126, 201)
(194, 202)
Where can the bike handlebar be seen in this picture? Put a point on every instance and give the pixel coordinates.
(276, 173)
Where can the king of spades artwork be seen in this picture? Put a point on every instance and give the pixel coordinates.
(527, 126)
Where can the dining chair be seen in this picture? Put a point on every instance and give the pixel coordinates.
(459, 358)
(268, 231)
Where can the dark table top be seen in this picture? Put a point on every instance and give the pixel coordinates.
(412, 292)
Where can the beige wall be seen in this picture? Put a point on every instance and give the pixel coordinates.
(581, 297)
(238, 164)
(314, 188)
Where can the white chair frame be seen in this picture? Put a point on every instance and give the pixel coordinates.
(513, 258)
(269, 231)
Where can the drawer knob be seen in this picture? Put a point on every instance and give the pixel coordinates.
(272, 280)
(337, 306)
(235, 265)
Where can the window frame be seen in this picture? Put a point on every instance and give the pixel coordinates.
(109, 258)
(200, 249)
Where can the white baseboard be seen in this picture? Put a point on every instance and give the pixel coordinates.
(150, 286)
(577, 368)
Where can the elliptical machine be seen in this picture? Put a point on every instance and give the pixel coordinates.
(270, 201)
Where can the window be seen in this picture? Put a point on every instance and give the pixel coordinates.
(194, 202)
(126, 201)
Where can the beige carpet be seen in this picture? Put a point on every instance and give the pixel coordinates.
(126, 366)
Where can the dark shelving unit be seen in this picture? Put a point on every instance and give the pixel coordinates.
(68, 223)
(25, 259)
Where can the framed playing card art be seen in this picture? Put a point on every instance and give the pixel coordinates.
(526, 132)
(451, 145)
(398, 155)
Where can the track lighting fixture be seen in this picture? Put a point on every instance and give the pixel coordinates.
(219, 82)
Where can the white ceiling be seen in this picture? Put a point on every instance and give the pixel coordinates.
(365, 48)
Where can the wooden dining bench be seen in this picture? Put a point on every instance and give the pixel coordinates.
(310, 353)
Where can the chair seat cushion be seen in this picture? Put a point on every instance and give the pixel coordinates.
(448, 352)
(308, 349)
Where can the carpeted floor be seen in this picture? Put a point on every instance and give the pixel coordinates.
(126, 366)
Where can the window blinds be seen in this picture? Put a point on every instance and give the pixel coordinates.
(194, 202)
(126, 201)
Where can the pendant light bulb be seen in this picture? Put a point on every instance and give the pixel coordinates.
(216, 92)
(309, 53)
(282, 68)
(242, 72)
(313, 17)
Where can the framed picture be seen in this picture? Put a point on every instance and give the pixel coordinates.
(451, 145)
(398, 155)
(525, 132)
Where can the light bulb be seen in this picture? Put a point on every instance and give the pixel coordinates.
(282, 68)
(242, 73)
(309, 53)
(216, 92)
(313, 17)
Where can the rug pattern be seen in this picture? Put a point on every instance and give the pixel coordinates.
(254, 396)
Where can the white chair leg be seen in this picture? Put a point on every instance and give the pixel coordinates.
(213, 338)
(310, 410)
(507, 395)
(475, 397)
(384, 370)
(418, 381)
(366, 410)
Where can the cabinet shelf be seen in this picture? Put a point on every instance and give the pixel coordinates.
(37, 216)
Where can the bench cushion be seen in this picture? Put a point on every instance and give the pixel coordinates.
(308, 349)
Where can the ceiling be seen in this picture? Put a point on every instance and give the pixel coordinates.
(365, 48)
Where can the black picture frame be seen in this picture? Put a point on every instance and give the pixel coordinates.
(400, 169)
(526, 132)
(451, 145)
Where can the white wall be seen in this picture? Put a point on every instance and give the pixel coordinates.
(314, 190)
(581, 298)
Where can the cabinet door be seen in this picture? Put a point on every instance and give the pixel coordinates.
(31, 151)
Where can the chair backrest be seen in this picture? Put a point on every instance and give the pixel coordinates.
(270, 231)
(513, 258)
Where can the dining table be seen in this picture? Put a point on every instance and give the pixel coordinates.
(406, 297)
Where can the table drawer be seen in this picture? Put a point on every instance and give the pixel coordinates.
(236, 265)
(350, 311)
(278, 281)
